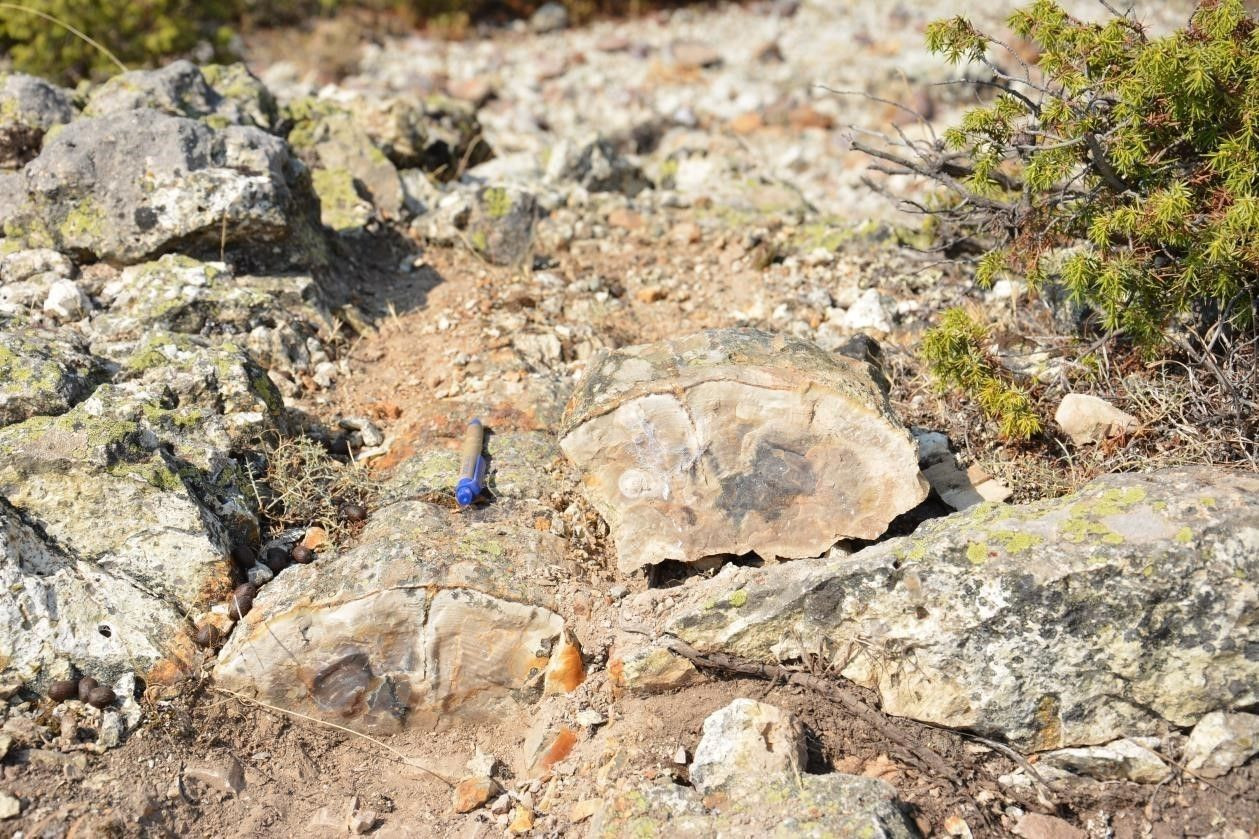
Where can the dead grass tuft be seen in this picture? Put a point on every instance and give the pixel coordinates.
(304, 485)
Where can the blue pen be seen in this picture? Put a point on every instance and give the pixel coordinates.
(471, 465)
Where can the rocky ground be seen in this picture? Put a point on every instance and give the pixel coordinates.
(247, 311)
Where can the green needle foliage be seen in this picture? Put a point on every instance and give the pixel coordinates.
(957, 352)
(1123, 167)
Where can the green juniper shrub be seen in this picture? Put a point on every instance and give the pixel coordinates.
(957, 351)
(1121, 169)
(1144, 150)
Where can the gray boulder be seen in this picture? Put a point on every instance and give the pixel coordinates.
(219, 95)
(29, 107)
(129, 186)
(1115, 611)
(43, 373)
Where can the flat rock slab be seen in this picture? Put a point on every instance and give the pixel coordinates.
(1112, 612)
(737, 440)
(433, 614)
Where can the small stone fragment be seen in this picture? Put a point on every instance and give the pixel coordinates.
(1128, 759)
(315, 538)
(1040, 826)
(745, 741)
(66, 302)
(471, 793)
(10, 806)
(111, 730)
(652, 670)
(361, 822)
(584, 809)
(1221, 742)
(522, 820)
(869, 313)
(550, 17)
(590, 717)
(1090, 419)
(225, 774)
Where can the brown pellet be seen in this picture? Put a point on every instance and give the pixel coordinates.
(240, 606)
(101, 697)
(207, 636)
(246, 590)
(302, 555)
(86, 685)
(276, 558)
(243, 556)
(63, 690)
(353, 512)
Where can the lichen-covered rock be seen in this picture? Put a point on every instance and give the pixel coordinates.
(181, 294)
(219, 95)
(595, 166)
(782, 806)
(330, 139)
(29, 107)
(737, 440)
(43, 373)
(107, 548)
(280, 320)
(744, 742)
(500, 226)
(128, 186)
(438, 135)
(1111, 612)
(432, 614)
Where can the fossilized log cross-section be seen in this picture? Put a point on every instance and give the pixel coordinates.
(737, 440)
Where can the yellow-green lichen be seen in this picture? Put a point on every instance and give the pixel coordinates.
(341, 207)
(1184, 535)
(738, 598)
(83, 221)
(497, 201)
(1014, 541)
(977, 553)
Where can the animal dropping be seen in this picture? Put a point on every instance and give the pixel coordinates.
(737, 440)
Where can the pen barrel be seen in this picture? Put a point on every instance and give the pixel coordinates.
(473, 441)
